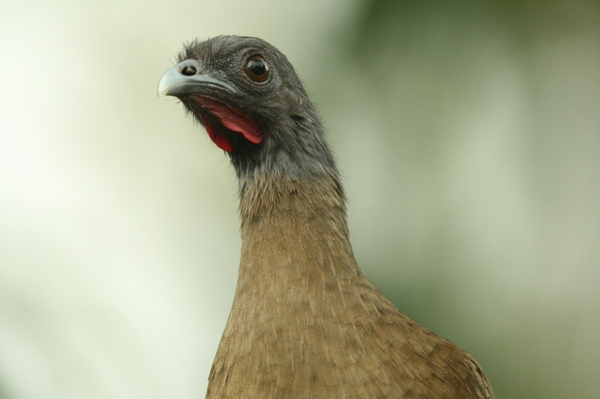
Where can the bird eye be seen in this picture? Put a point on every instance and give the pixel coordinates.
(257, 69)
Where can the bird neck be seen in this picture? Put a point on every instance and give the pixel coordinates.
(294, 148)
(294, 234)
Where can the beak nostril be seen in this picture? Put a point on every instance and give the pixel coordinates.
(188, 70)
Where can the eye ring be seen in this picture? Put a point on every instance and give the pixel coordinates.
(257, 69)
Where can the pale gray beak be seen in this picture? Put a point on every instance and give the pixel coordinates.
(187, 77)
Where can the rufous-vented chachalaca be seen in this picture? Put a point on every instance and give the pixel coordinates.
(305, 321)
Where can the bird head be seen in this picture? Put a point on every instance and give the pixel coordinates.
(253, 105)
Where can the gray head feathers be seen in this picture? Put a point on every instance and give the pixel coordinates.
(292, 140)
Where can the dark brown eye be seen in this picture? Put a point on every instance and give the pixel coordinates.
(257, 69)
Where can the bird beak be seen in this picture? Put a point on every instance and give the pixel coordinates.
(186, 78)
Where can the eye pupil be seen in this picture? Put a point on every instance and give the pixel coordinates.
(257, 69)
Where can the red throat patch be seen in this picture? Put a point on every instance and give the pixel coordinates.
(233, 119)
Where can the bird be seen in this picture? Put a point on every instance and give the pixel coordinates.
(305, 321)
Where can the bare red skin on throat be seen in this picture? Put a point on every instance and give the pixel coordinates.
(233, 119)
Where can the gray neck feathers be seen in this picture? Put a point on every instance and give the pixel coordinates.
(294, 148)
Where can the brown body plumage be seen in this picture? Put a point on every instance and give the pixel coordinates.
(305, 321)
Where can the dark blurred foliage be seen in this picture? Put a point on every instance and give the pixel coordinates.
(388, 23)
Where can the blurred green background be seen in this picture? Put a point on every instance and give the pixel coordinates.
(467, 133)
